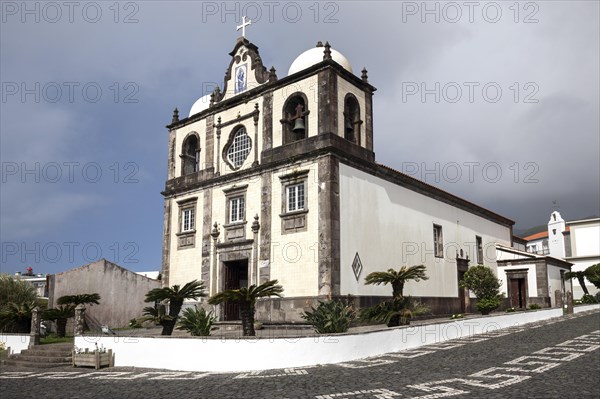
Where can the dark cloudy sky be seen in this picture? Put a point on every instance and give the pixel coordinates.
(492, 101)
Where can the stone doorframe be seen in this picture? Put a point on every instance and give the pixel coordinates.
(462, 265)
(514, 275)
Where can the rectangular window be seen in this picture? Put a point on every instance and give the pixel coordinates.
(479, 244)
(295, 197)
(188, 220)
(438, 241)
(236, 209)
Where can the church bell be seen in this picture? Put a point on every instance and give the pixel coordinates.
(299, 126)
(348, 126)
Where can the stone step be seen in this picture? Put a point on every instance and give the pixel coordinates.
(37, 352)
(54, 347)
(28, 364)
(41, 359)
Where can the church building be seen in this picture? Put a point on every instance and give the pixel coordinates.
(275, 178)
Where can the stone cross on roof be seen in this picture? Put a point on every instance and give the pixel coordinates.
(243, 25)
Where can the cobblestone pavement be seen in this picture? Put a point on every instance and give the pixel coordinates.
(556, 358)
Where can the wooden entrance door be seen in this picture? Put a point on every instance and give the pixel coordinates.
(462, 265)
(235, 277)
(517, 293)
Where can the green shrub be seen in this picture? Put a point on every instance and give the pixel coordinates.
(588, 299)
(457, 316)
(134, 323)
(330, 317)
(394, 312)
(511, 310)
(534, 306)
(486, 305)
(197, 322)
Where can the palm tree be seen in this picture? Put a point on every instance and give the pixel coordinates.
(60, 315)
(15, 290)
(580, 276)
(246, 298)
(397, 278)
(79, 299)
(175, 296)
(16, 317)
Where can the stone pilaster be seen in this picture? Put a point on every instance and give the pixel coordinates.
(166, 243)
(34, 334)
(206, 235)
(329, 227)
(328, 101)
(79, 320)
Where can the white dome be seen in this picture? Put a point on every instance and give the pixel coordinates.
(314, 56)
(200, 105)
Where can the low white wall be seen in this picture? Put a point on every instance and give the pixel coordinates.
(16, 342)
(585, 308)
(232, 355)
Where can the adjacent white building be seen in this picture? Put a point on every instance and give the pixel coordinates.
(577, 242)
(275, 178)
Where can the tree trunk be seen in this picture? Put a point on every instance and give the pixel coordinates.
(397, 289)
(61, 328)
(174, 309)
(247, 315)
(581, 280)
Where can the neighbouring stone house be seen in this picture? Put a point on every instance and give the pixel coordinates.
(122, 291)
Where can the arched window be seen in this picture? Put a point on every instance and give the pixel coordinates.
(190, 154)
(295, 118)
(238, 147)
(352, 122)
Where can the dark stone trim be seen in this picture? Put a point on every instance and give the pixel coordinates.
(187, 200)
(171, 154)
(210, 142)
(235, 189)
(206, 237)
(186, 240)
(238, 119)
(267, 138)
(265, 226)
(241, 243)
(329, 226)
(541, 275)
(166, 243)
(369, 120)
(328, 102)
(295, 175)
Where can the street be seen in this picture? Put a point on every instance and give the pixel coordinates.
(556, 358)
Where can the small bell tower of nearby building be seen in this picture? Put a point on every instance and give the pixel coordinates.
(556, 238)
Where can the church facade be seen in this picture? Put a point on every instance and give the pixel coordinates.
(276, 178)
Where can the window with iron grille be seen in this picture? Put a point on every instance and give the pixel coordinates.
(240, 148)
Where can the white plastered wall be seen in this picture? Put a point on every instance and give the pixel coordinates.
(185, 264)
(294, 261)
(390, 226)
